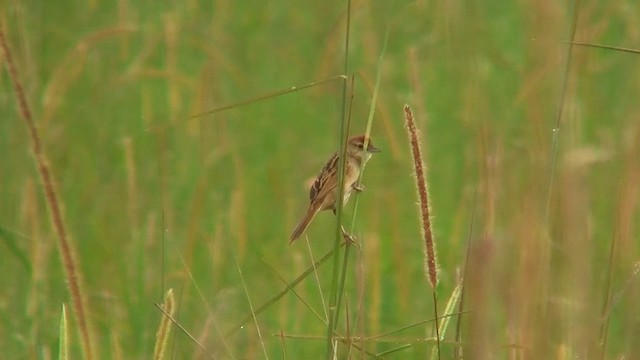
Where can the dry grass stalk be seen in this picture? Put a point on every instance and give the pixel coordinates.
(67, 252)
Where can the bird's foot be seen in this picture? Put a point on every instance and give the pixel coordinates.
(358, 187)
(348, 238)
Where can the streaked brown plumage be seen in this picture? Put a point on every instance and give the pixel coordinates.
(323, 193)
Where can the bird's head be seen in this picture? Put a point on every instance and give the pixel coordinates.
(361, 147)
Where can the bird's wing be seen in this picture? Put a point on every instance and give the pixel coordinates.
(327, 180)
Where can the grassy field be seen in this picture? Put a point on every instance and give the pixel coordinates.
(531, 145)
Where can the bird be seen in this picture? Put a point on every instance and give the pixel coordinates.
(324, 191)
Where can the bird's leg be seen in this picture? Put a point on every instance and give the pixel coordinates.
(358, 187)
(348, 238)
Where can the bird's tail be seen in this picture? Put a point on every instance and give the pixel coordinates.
(304, 223)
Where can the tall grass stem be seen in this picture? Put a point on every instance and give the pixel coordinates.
(343, 131)
(65, 246)
(425, 216)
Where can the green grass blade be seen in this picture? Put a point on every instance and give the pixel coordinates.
(63, 352)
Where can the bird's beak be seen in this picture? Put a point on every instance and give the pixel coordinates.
(372, 149)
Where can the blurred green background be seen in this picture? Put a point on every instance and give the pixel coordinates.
(156, 199)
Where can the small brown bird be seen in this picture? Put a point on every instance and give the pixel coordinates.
(325, 189)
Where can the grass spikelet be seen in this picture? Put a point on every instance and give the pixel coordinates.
(421, 183)
(165, 326)
(67, 251)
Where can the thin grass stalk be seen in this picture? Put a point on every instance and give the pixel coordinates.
(437, 323)
(358, 323)
(65, 247)
(295, 293)
(446, 316)
(410, 326)
(284, 345)
(351, 341)
(376, 88)
(347, 250)
(621, 233)
(269, 95)
(396, 349)
(372, 111)
(563, 95)
(611, 300)
(608, 295)
(372, 108)
(317, 278)
(282, 293)
(558, 119)
(361, 349)
(255, 318)
(344, 131)
(606, 47)
(457, 350)
(162, 335)
(184, 331)
(202, 298)
(421, 184)
(348, 322)
(336, 292)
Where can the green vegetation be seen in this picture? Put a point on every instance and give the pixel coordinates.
(152, 198)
